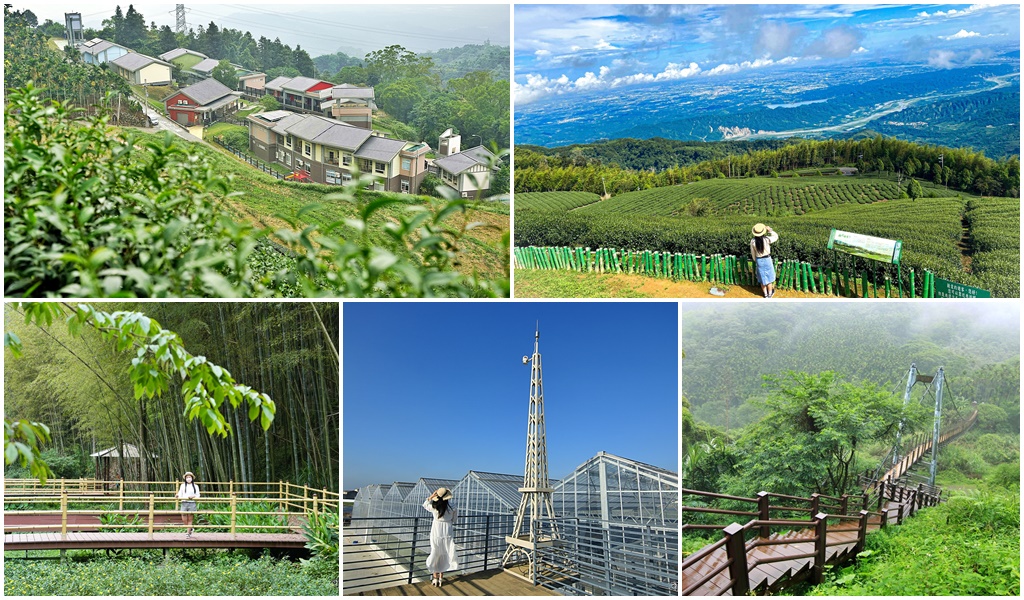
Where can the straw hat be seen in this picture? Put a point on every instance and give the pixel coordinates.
(759, 229)
(187, 473)
(443, 493)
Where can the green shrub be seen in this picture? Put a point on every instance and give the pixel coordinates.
(322, 535)
(996, 449)
(962, 459)
(1006, 475)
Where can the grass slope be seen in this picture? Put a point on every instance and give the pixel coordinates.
(968, 546)
(265, 199)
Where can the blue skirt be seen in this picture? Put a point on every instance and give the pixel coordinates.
(765, 270)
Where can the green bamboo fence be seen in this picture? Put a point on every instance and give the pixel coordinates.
(721, 269)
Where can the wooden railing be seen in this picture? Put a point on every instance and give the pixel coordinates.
(891, 499)
(145, 509)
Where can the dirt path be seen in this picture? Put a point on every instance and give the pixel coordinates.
(565, 284)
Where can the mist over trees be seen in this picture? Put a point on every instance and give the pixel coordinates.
(729, 349)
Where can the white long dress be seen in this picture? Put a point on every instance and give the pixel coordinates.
(442, 540)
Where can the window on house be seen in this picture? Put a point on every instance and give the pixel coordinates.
(288, 159)
(307, 150)
(280, 138)
(346, 160)
(365, 165)
(379, 168)
(405, 186)
(346, 177)
(406, 164)
(288, 141)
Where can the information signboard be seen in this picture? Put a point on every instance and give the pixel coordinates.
(948, 289)
(866, 246)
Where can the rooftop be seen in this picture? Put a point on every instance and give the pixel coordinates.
(380, 148)
(134, 61)
(173, 54)
(206, 91)
(461, 161)
(206, 65)
(300, 84)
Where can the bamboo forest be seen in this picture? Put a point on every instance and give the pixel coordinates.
(160, 447)
(852, 450)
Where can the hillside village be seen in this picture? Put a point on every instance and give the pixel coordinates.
(319, 131)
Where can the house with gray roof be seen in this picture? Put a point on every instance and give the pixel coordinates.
(173, 55)
(98, 51)
(468, 172)
(349, 103)
(332, 151)
(203, 102)
(140, 69)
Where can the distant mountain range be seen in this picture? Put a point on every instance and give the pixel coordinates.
(977, 106)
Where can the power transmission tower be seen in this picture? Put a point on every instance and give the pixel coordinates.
(180, 25)
(528, 535)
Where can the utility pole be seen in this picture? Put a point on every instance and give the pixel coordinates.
(528, 535)
(942, 170)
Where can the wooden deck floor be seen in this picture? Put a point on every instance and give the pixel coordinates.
(54, 541)
(767, 575)
(483, 583)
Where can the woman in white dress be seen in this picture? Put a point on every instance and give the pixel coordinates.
(442, 536)
(188, 493)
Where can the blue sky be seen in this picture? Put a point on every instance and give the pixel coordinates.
(566, 49)
(437, 389)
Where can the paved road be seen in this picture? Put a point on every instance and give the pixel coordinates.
(165, 124)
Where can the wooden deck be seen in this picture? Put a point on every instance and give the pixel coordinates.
(483, 583)
(77, 540)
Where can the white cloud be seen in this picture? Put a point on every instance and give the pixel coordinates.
(943, 59)
(603, 45)
(837, 42)
(764, 61)
(952, 13)
(960, 35)
(542, 53)
(860, 50)
(537, 86)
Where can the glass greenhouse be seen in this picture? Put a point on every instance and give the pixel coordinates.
(617, 519)
(612, 488)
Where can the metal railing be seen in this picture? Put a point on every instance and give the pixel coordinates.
(86, 505)
(597, 558)
(388, 551)
(255, 162)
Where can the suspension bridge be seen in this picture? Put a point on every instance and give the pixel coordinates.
(790, 539)
(118, 515)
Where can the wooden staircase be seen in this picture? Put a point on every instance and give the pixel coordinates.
(798, 550)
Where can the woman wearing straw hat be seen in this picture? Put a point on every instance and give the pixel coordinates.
(761, 251)
(442, 540)
(188, 493)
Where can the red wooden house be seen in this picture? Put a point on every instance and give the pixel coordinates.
(203, 102)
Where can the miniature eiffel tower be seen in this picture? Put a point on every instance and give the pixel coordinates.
(527, 535)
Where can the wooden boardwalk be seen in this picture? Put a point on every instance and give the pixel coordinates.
(770, 577)
(79, 540)
(482, 583)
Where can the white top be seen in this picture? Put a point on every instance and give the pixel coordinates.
(188, 491)
(449, 515)
(769, 239)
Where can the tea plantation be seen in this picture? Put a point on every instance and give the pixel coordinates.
(966, 239)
